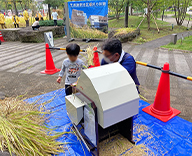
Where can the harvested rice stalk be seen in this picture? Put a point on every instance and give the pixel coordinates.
(89, 55)
(23, 130)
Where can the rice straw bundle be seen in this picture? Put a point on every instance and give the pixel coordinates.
(23, 130)
(90, 56)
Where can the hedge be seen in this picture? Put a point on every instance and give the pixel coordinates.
(50, 23)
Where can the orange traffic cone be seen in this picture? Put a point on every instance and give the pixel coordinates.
(161, 109)
(96, 57)
(1, 37)
(50, 67)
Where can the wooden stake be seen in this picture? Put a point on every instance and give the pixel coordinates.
(141, 22)
(156, 24)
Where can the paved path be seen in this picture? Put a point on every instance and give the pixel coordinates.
(21, 63)
(172, 20)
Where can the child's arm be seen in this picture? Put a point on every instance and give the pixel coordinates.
(83, 66)
(61, 73)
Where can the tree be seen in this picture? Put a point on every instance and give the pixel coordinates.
(15, 7)
(150, 4)
(54, 4)
(117, 6)
(180, 8)
(126, 13)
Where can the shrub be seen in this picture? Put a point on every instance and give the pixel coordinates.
(50, 23)
(86, 32)
(124, 31)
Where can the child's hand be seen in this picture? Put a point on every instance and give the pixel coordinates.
(59, 80)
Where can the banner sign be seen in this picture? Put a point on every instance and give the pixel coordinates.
(89, 13)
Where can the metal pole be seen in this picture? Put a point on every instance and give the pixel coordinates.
(169, 72)
(56, 48)
(67, 21)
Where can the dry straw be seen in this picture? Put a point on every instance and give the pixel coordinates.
(23, 132)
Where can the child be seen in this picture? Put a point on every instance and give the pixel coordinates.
(73, 66)
(54, 16)
(36, 25)
(15, 20)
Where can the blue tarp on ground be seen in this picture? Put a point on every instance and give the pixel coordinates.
(171, 138)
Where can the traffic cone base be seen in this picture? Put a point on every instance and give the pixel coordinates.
(161, 115)
(161, 108)
(1, 37)
(50, 72)
(50, 66)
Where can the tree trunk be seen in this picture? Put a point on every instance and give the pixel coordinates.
(180, 11)
(49, 11)
(126, 14)
(15, 7)
(131, 11)
(163, 14)
(148, 14)
(117, 14)
(6, 8)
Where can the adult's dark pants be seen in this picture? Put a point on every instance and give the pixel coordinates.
(27, 23)
(16, 25)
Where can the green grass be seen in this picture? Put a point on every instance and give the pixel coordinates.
(145, 36)
(133, 22)
(186, 44)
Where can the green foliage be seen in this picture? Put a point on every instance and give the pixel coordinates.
(2, 5)
(50, 23)
(55, 3)
(117, 6)
(186, 44)
(88, 23)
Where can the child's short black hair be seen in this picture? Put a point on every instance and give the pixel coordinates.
(36, 18)
(73, 49)
(113, 46)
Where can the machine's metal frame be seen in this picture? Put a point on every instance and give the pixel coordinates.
(94, 150)
(125, 128)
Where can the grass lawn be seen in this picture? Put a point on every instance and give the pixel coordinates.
(186, 44)
(145, 36)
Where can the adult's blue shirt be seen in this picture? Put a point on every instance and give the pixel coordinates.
(128, 62)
